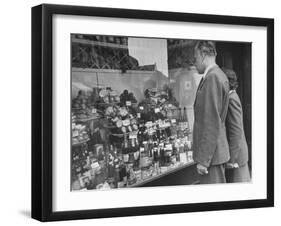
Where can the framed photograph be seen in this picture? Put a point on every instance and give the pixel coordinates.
(146, 112)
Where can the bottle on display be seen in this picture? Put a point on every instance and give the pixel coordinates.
(150, 146)
(176, 152)
(173, 128)
(131, 175)
(182, 153)
(155, 154)
(142, 156)
(169, 153)
(116, 175)
(156, 160)
(179, 115)
(162, 155)
(101, 156)
(184, 118)
(125, 149)
(110, 170)
(185, 121)
(123, 174)
(133, 144)
(136, 159)
(140, 135)
(125, 141)
(180, 124)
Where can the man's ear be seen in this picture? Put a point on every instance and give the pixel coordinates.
(203, 55)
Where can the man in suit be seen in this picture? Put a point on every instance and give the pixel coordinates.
(210, 146)
(237, 167)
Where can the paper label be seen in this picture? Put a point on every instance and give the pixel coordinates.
(183, 157)
(120, 184)
(128, 103)
(125, 157)
(126, 122)
(95, 165)
(133, 135)
(75, 133)
(148, 124)
(169, 146)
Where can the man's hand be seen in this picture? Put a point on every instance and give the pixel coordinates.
(232, 165)
(202, 169)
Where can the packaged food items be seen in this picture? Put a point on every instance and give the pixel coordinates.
(121, 120)
(82, 108)
(108, 95)
(79, 133)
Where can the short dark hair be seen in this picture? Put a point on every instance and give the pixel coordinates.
(232, 78)
(206, 47)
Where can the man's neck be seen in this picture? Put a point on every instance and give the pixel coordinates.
(209, 65)
(209, 62)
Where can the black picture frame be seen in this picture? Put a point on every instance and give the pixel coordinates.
(42, 107)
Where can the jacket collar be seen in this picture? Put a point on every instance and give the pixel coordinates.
(208, 69)
(231, 91)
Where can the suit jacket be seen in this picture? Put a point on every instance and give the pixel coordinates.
(235, 132)
(210, 146)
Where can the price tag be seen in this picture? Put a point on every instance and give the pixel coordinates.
(148, 124)
(167, 124)
(173, 120)
(120, 184)
(161, 125)
(133, 135)
(151, 131)
(157, 110)
(125, 157)
(183, 157)
(95, 165)
(128, 103)
(126, 122)
(189, 144)
(169, 146)
(94, 111)
(119, 123)
(87, 173)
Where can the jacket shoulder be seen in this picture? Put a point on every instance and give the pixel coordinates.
(233, 97)
(217, 74)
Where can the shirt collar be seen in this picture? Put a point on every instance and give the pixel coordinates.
(208, 69)
(231, 91)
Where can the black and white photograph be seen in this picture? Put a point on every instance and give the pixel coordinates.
(149, 112)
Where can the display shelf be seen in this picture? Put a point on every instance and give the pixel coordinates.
(88, 119)
(156, 177)
(80, 142)
(108, 104)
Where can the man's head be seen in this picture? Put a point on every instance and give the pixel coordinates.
(204, 55)
(232, 78)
